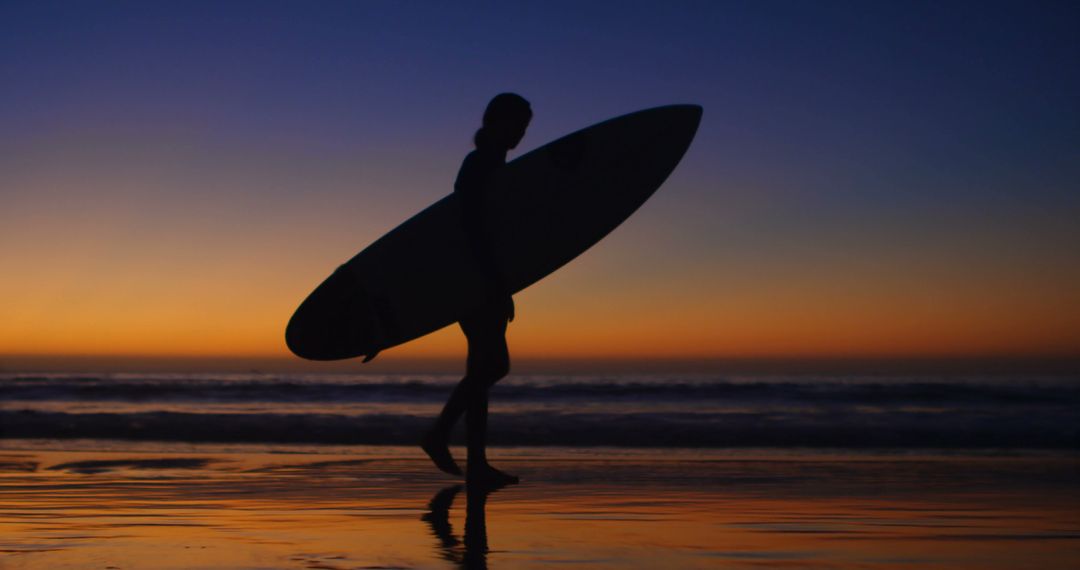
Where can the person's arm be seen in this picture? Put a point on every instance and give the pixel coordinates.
(469, 186)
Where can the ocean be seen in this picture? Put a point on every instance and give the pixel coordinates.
(873, 412)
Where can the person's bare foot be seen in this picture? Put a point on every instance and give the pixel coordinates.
(485, 475)
(439, 452)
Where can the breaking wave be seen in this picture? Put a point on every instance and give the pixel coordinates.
(853, 413)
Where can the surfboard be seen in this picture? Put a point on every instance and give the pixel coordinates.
(543, 210)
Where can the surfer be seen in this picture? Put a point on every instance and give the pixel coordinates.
(504, 123)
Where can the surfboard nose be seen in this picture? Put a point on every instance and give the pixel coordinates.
(691, 110)
(671, 129)
(687, 116)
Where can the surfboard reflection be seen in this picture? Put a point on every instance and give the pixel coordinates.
(470, 552)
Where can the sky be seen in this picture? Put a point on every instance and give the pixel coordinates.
(869, 179)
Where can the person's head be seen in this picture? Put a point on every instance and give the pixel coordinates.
(505, 120)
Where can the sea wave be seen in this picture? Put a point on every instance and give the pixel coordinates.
(845, 429)
(629, 411)
(227, 389)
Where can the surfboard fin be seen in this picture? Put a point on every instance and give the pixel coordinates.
(364, 308)
(378, 329)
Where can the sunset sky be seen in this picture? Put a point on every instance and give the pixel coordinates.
(869, 179)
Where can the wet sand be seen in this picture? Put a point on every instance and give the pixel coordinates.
(86, 505)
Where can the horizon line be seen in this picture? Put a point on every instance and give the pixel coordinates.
(787, 364)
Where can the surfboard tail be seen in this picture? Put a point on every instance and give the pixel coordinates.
(335, 322)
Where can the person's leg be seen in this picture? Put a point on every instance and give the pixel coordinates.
(493, 365)
(486, 364)
(436, 442)
(476, 428)
(472, 386)
(465, 392)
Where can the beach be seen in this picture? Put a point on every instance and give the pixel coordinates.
(119, 471)
(126, 505)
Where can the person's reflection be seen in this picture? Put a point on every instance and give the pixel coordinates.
(472, 551)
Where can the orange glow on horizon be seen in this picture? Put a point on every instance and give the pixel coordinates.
(122, 262)
(561, 321)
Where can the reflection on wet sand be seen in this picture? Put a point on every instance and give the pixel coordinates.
(471, 552)
(347, 508)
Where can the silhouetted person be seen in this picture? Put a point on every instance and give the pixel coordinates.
(505, 120)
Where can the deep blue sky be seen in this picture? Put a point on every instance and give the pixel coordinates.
(863, 147)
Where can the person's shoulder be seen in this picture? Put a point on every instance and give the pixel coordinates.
(468, 173)
(470, 163)
(480, 163)
(474, 161)
(485, 157)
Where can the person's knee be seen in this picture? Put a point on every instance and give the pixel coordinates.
(491, 371)
(500, 367)
(488, 362)
(474, 382)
